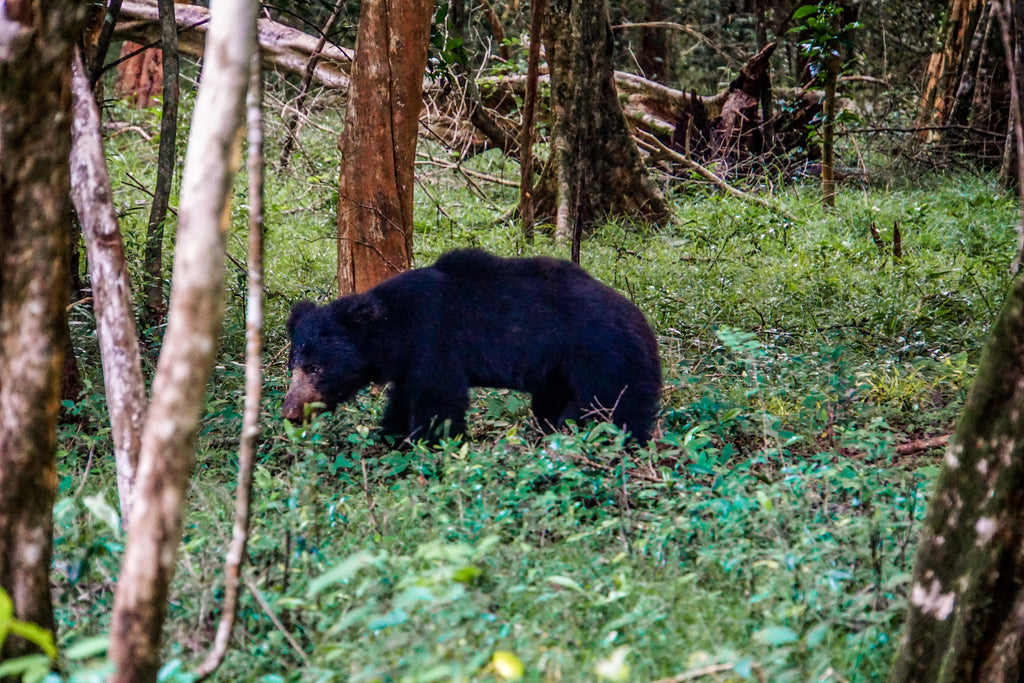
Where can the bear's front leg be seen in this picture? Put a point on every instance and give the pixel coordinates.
(395, 422)
(438, 411)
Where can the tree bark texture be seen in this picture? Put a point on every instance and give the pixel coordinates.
(36, 38)
(378, 145)
(194, 318)
(597, 164)
(653, 59)
(945, 66)
(140, 75)
(111, 287)
(965, 621)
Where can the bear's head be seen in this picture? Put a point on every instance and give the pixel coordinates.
(327, 362)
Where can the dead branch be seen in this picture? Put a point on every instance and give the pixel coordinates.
(918, 445)
(654, 144)
(281, 46)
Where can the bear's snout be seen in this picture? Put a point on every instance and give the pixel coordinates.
(301, 393)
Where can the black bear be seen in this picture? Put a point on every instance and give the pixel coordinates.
(539, 325)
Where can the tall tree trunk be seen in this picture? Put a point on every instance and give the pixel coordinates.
(599, 169)
(378, 145)
(35, 224)
(249, 441)
(194, 319)
(154, 257)
(965, 621)
(111, 287)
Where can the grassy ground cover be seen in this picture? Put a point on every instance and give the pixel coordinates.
(769, 529)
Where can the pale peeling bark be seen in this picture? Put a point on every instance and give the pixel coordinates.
(966, 612)
(253, 381)
(111, 286)
(378, 145)
(598, 166)
(35, 137)
(196, 307)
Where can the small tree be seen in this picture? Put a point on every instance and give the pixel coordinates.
(194, 319)
(824, 40)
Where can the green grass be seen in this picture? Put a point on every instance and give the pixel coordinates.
(770, 526)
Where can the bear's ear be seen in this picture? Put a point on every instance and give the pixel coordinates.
(364, 310)
(299, 311)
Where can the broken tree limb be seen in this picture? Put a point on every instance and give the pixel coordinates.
(281, 46)
(655, 145)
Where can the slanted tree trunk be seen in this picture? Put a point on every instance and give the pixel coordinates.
(378, 145)
(194, 319)
(35, 225)
(248, 444)
(965, 621)
(111, 287)
(598, 169)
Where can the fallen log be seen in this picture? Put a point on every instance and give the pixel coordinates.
(281, 46)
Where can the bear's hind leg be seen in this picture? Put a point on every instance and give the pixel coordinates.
(548, 405)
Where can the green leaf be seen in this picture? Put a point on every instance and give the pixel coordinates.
(344, 571)
(566, 582)
(30, 668)
(776, 635)
(87, 648)
(34, 633)
(468, 574)
(804, 11)
(103, 511)
(816, 635)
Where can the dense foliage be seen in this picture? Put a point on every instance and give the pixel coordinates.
(769, 529)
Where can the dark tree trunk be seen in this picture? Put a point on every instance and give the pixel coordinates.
(35, 225)
(165, 165)
(599, 168)
(653, 57)
(375, 199)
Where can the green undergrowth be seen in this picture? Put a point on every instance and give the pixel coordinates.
(769, 528)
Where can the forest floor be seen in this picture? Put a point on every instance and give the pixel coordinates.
(767, 533)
